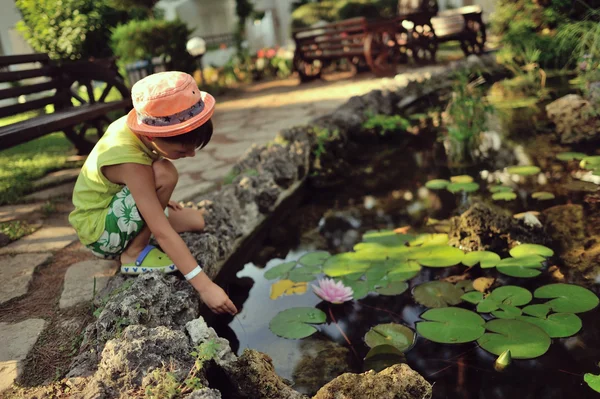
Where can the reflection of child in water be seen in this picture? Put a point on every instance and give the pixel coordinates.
(124, 189)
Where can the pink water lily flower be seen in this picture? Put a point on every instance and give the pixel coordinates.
(330, 291)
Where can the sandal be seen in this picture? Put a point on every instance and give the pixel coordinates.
(150, 259)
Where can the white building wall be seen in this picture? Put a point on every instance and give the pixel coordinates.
(11, 42)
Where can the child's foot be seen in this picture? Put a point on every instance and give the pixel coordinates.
(150, 259)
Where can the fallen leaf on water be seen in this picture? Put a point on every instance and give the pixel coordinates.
(482, 284)
(402, 230)
(287, 287)
(456, 278)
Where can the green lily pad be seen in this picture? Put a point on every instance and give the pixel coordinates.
(524, 340)
(360, 288)
(279, 270)
(542, 196)
(429, 239)
(384, 350)
(593, 381)
(569, 156)
(346, 263)
(465, 285)
(540, 310)
(296, 323)
(393, 288)
(396, 335)
(486, 259)
(511, 295)
(451, 325)
(437, 255)
(488, 305)
(473, 297)
(523, 170)
(376, 273)
(303, 274)
(461, 179)
(506, 196)
(386, 238)
(381, 357)
(314, 258)
(466, 187)
(507, 312)
(592, 162)
(437, 294)
(524, 267)
(403, 270)
(557, 325)
(500, 189)
(523, 250)
(568, 298)
(437, 184)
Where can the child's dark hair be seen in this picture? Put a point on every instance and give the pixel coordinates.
(199, 137)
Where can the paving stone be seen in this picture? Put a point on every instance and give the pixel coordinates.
(16, 273)
(22, 336)
(56, 178)
(203, 160)
(189, 189)
(48, 238)
(16, 212)
(64, 190)
(79, 280)
(217, 173)
(231, 151)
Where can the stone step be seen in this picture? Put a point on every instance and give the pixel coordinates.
(56, 178)
(79, 280)
(62, 191)
(16, 273)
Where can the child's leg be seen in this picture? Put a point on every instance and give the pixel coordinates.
(186, 219)
(165, 179)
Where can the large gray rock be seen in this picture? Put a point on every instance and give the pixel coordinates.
(200, 332)
(396, 382)
(151, 300)
(205, 393)
(575, 122)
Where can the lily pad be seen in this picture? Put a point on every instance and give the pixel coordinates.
(593, 381)
(437, 256)
(429, 239)
(314, 258)
(279, 270)
(386, 238)
(451, 325)
(303, 274)
(473, 297)
(461, 179)
(524, 267)
(592, 162)
(393, 288)
(287, 287)
(296, 323)
(486, 259)
(506, 196)
(500, 189)
(466, 187)
(569, 156)
(465, 285)
(511, 295)
(568, 298)
(437, 184)
(557, 325)
(488, 305)
(346, 263)
(482, 284)
(360, 288)
(540, 310)
(523, 250)
(396, 335)
(403, 270)
(507, 312)
(384, 350)
(542, 196)
(524, 340)
(437, 294)
(523, 170)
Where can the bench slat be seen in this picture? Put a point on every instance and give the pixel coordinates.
(6, 60)
(15, 76)
(22, 90)
(24, 131)
(16, 109)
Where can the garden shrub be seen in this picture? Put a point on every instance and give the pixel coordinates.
(329, 11)
(142, 40)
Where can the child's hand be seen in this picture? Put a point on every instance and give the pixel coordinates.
(217, 300)
(175, 205)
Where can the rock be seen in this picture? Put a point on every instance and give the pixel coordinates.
(485, 227)
(205, 393)
(574, 120)
(322, 361)
(252, 376)
(4, 240)
(150, 300)
(578, 244)
(200, 332)
(396, 382)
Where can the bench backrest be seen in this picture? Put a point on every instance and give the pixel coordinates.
(451, 22)
(40, 81)
(331, 40)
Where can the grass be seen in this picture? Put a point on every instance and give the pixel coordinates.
(16, 229)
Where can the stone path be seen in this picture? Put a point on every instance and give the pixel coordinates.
(50, 264)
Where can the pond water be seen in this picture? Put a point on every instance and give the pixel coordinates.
(336, 221)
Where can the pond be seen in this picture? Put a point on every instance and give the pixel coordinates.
(336, 219)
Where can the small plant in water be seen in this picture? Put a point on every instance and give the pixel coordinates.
(385, 124)
(330, 291)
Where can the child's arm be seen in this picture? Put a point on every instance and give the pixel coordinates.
(140, 181)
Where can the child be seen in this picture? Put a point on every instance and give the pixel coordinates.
(123, 192)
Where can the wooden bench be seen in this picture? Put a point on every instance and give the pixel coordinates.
(464, 25)
(69, 87)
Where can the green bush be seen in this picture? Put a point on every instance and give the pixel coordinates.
(68, 29)
(329, 11)
(142, 40)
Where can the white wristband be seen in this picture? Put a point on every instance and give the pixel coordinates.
(193, 273)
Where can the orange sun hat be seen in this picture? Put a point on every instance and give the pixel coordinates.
(168, 104)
